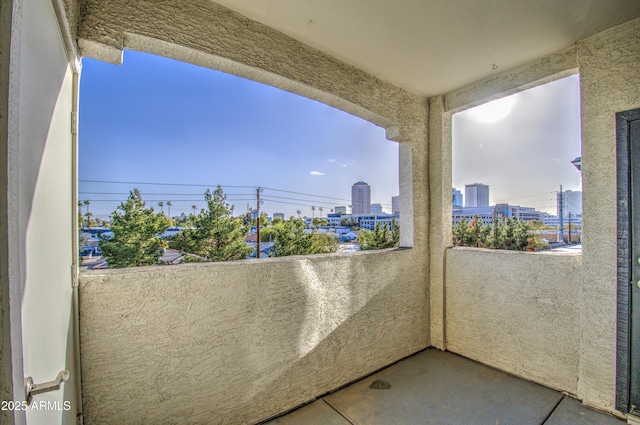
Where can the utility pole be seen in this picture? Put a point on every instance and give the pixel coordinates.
(569, 227)
(561, 215)
(258, 190)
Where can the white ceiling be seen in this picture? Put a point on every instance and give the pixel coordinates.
(435, 46)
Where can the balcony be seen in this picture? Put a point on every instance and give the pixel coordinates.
(245, 341)
(434, 387)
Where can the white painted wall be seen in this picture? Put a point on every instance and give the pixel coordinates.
(241, 341)
(40, 210)
(516, 311)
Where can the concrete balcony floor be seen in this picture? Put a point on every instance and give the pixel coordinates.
(435, 387)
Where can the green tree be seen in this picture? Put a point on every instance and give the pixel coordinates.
(268, 234)
(136, 231)
(291, 238)
(505, 233)
(215, 234)
(382, 237)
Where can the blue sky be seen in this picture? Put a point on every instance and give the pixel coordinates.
(186, 128)
(155, 120)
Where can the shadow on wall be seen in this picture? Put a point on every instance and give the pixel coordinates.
(239, 343)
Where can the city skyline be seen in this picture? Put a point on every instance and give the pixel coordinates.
(190, 128)
(156, 120)
(525, 154)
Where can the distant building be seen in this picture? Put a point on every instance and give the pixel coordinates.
(360, 198)
(395, 205)
(340, 210)
(278, 215)
(369, 221)
(376, 209)
(504, 210)
(571, 203)
(456, 198)
(521, 213)
(476, 195)
(485, 213)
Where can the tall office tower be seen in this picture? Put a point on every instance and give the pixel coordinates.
(360, 198)
(571, 203)
(395, 204)
(476, 195)
(456, 198)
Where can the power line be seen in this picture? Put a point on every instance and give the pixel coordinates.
(163, 184)
(307, 194)
(159, 194)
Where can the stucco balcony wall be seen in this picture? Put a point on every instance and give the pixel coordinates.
(516, 311)
(242, 341)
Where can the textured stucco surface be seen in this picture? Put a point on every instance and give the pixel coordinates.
(516, 311)
(552, 67)
(240, 342)
(440, 177)
(610, 82)
(543, 70)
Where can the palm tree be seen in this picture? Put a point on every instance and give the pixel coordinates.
(351, 208)
(313, 210)
(169, 206)
(331, 210)
(86, 203)
(88, 215)
(194, 209)
(161, 205)
(299, 212)
(320, 212)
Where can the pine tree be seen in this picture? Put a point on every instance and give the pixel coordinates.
(136, 231)
(381, 237)
(291, 238)
(215, 234)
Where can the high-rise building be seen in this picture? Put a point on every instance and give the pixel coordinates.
(376, 209)
(476, 195)
(395, 204)
(571, 203)
(360, 198)
(456, 198)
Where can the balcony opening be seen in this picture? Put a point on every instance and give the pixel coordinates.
(516, 170)
(171, 130)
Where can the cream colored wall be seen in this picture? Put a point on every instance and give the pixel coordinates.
(283, 331)
(608, 64)
(516, 311)
(239, 342)
(610, 82)
(558, 65)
